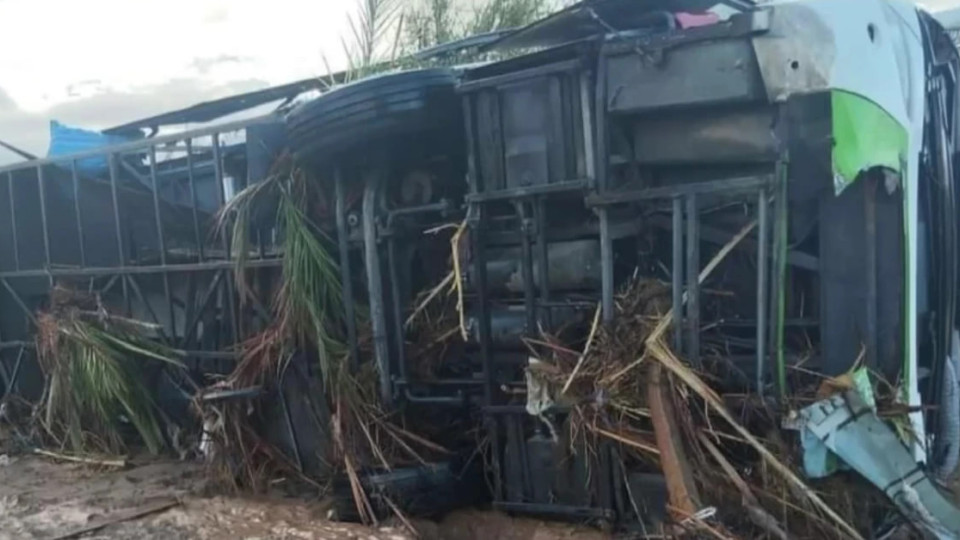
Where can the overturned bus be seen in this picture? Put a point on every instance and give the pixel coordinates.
(610, 140)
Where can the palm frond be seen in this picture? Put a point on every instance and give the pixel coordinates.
(501, 14)
(374, 22)
(310, 302)
(434, 22)
(95, 368)
(236, 219)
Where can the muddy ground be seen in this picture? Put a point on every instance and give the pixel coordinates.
(45, 499)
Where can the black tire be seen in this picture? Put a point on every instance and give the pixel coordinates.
(395, 112)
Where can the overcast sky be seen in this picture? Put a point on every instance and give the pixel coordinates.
(99, 63)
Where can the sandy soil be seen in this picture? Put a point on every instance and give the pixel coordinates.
(40, 498)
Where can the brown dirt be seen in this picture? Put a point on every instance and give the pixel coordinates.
(43, 499)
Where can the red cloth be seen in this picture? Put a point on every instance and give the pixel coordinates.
(692, 20)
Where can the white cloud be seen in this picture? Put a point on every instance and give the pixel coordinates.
(97, 63)
(52, 45)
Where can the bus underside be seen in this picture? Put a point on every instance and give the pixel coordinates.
(779, 179)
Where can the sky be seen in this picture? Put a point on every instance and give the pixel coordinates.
(100, 63)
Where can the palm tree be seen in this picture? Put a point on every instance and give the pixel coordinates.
(382, 32)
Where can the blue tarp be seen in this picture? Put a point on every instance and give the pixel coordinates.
(66, 140)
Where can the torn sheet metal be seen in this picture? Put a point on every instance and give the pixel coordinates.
(851, 429)
(818, 460)
(872, 49)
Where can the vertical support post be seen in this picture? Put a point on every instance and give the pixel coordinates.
(587, 119)
(777, 285)
(543, 260)
(476, 223)
(161, 241)
(676, 274)
(600, 171)
(346, 283)
(5, 378)
(8, 379)
(190, 302)
(76, 209)
(13, 221)
(218, 174)
(600, 111)
(763, 264)
(121, 252)
(693, 281)
(193, 199)
(516, 425)
(375, 288)
(606, 266)
(397, 310)
(478, 249)
(225, 242)
(526, 262)
(43, 219)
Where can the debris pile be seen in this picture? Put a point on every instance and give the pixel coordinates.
(733, 467)
(308, 318)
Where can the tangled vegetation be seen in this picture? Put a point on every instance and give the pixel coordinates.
(95, 364)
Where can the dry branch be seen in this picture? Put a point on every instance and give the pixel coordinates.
(586, 350)
(662, 354)
(673, 458)
(119, 517)
(758, 515)
(118, 463)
